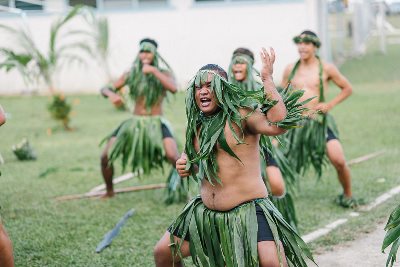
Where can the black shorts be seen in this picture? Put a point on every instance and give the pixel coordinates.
(331, 136)
(164, 129)
(264, 231)
(269, 159)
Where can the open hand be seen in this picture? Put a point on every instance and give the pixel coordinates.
(181, 166)
(267, 60)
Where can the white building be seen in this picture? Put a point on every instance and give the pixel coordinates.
(190, 33)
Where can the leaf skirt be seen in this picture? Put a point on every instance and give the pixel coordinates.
(229, 238)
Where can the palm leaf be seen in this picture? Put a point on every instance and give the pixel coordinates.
(392, 236)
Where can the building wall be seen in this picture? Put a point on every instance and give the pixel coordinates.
(189, 35)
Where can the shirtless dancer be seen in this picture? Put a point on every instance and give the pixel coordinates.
(145, 140)
(312, 74)
(232, 222)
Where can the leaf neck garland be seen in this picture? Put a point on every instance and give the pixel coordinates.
(250, 83)
(320, 73)
(147, 85)
(209, 130)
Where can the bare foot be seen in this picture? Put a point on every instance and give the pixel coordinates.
(108, 195)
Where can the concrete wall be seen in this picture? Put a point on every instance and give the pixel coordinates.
(189, 35)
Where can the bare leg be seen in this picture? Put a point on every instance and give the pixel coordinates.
(336, 156)
(163, 254)
(171, 150)
(268, 254)
(276, 181)
(6, 252)
(107, 170)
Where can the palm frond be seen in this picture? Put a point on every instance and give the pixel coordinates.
(392, 236)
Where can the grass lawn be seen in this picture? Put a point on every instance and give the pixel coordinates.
(49, 233)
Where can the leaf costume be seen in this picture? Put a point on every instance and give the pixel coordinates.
(392, 236)
(227, 238)
(307, 144)
(139, 139)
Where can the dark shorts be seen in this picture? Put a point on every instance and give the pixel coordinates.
(269, 159)
(331, 136)
(164, 129)
(264, 231)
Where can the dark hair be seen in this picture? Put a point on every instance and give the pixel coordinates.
(216, 68)
(243, 51)
(148, 40)
(308, 32)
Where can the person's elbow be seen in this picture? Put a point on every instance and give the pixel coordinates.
(280, 131)
(280, 116)
(173, 87)
(349, 91)
(277, 115)
(2, 119)
(275, 130)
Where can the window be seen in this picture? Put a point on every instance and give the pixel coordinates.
(31, 5)
(117, 4)
(91, 3)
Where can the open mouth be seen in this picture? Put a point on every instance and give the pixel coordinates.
(205, 101)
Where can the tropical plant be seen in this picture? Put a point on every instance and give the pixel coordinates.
(36, 66)
(24, 151)
(392, 236)
(59, 109)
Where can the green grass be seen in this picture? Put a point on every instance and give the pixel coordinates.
(49, 233)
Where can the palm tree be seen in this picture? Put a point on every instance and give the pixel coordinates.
(35, 66)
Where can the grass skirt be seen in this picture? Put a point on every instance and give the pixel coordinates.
(229, 238)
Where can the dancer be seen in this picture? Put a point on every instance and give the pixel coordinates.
(312, 75)
(232, 222)
(144, 141)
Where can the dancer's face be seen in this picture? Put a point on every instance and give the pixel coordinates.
(205, 97)
(240, 71)
(306, 50)
(146, 57)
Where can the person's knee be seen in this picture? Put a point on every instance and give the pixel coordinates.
(270, 262)
(278, 190)
(276, 181)
(162, 253)
(339, 163)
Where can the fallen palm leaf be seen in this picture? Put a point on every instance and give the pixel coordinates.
(365, 158)
(117, 191)
(114, 232)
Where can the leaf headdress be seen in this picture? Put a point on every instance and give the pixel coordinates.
(307, 38)
(230, 99)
